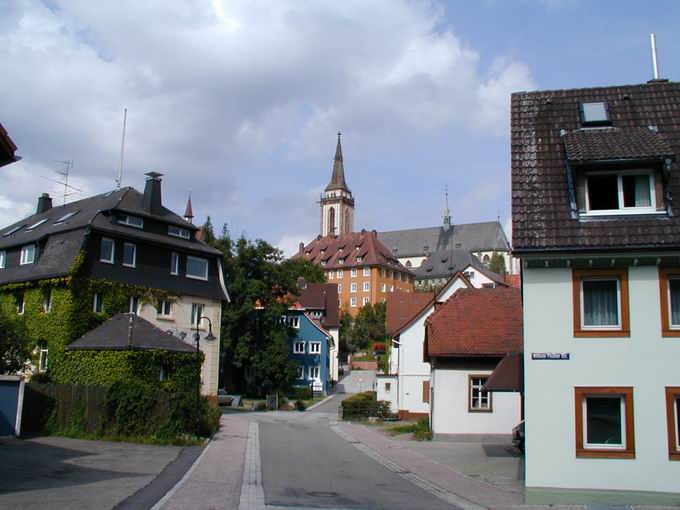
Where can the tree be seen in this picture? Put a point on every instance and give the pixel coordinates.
(497, 263)
(365, 329)
(14, 348)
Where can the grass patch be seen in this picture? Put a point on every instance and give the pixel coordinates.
(420, 429)
(185, 440)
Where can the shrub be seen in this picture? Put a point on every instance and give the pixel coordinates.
(420, 429)
(41, 378)
(364, 405)
(300, 405)
(300, 393)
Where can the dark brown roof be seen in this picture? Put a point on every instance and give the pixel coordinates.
(403, 307)
(508, 374)
(338, 177)
(603, 144)
(322, 296)
(330, 250)
(544, 216)
(477, 322)
(7, 148)
(126, 331)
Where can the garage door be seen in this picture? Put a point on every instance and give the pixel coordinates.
(9, 400)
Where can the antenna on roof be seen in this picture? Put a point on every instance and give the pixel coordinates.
(655, 60)
(122, 151)
(68, 165)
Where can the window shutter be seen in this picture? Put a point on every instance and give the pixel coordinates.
(426, 391)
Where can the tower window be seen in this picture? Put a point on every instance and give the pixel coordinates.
(331, 221)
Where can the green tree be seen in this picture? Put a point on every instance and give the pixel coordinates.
(497, 263)
(14, 346)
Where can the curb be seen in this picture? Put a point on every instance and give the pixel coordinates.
(321, 402)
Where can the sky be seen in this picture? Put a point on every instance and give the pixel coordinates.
(239, 102)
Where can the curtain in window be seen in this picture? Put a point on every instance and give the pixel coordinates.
(600, 303)
(674, 289)
(642, 192)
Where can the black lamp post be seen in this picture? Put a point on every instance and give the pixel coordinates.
(209, 337)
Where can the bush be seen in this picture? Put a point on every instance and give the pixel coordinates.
(300, 405)
(364, 405)
(420, 429)
(41, 378)
(300, 393)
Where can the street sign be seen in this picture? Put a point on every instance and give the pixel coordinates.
(549, 355)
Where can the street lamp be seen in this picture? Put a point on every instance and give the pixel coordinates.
(197, 337)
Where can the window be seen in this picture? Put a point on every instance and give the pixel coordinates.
(604, 422)
(196, 313)
(673, 415)
(341, 261)
(479, 400)
(27, 254)
(165, 373)
(360, 258)
(98, 302)
(339, 273)
(36, 225)
(300, 372)
(388, 387)
(197, 268)
(391, 288)
(383, 272)
(47, 300)
(293, 321)
(383, 287)
(13, 231)
(353, 302)
(367, 286)
(3, 259)
(620, 192)
(354, 272)
(367, 271)
(131, 221)
(339, 288)
(426, 391)
(178, 232)
(129, 254)
(600, 302)
(331, 274)
(315, 372)
(174, 263)
(20, 303)
(408, 263)
(65, 217)
(594, 114)
(299, 347)
(353, 287)
(43, 360)
(165, 308)
(134, 304)
(669, 285)
(366, 300)
(107, 250)
(315, 347)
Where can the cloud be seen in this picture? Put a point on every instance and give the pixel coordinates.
(238, 100)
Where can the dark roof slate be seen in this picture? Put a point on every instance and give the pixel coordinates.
(338, 177)
(586, 145)
(445, 263)
(126, 331)
(543, 219)
(322, 296)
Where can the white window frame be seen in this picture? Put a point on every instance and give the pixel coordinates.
(353, 287)
(43, 359)
(331, 275)
(124, 219)
(25, 251)
(98, 298)
(162, 308)
(196, 315)
(354, 272)
(131, 308)
(339, 273)
(618, 304)
(314, 347)
(194, 277)
(367, 286)
(353, 302)
(134, 254)
(174, 263)
(599, 446)
(299, 347)
(360, 258)
(383, 287)
(293, 321)
(36, 225)
(367, 271)
(315, 372)
(339, 288)
(21, 305)
(668, 300)
(65, 217)
(113, 251)
(301, 372)
(47, 301)
(622, 210)
(180, 232)
(477, 406)
(366, 301)
(3, 259)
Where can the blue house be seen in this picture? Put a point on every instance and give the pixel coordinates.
(310, 346)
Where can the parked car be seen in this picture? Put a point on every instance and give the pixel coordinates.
(518, 435)
(223, 399)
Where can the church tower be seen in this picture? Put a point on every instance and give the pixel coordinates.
(337, 203)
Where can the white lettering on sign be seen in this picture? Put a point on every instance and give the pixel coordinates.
(550, 355)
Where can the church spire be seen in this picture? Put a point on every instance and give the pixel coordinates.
(447, 213)
(189, 212)
(338, 177)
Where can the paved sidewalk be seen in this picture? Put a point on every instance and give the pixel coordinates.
(214, 481)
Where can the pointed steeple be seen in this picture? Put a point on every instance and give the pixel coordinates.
(189, 212)
(447, 214)
(338, 178)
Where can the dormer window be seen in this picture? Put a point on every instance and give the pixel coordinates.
(131, 221)
(595, 114)
(623, 192)
(178, 232)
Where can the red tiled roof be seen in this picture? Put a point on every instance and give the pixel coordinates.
(514, 280)
(403, 307)
(508, 374)
(329, 250)
(477, 322)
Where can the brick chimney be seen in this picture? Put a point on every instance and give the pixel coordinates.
(152, 193)
(44, 203)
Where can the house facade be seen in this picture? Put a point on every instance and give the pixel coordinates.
(595, 191)
(466, 338)
(438, 268)
(310, 347)
(66, 269)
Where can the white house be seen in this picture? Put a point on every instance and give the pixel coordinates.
(466, 338)
(596, 222)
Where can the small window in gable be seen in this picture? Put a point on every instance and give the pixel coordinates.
(595, 114)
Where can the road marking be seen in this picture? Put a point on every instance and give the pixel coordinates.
(252, 491)
(179, 484)
(447, 496)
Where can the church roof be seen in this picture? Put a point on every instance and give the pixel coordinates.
(338, 177)
(189, 211)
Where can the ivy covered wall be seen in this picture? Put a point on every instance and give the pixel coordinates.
(71, 315)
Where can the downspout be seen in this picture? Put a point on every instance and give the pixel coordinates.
(129, 343)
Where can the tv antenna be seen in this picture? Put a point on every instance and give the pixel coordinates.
(68, 189)
(122, 151)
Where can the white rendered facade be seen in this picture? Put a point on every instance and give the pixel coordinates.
(335, 335)
(644, 361)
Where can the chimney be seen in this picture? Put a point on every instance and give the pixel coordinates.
(44, 203)
(152, 193)
(301, 248)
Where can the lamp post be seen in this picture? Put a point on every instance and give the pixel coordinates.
(209, 337)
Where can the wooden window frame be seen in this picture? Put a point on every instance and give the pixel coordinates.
(578, 275)
(426, 392)
(469, 394)
(581, 392)
(672, 393)
(667, 329)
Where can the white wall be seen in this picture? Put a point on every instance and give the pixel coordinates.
(415, 261)
(335, 334)
(180, 321)
(450, 413)
(382, 382)
(645, 361)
